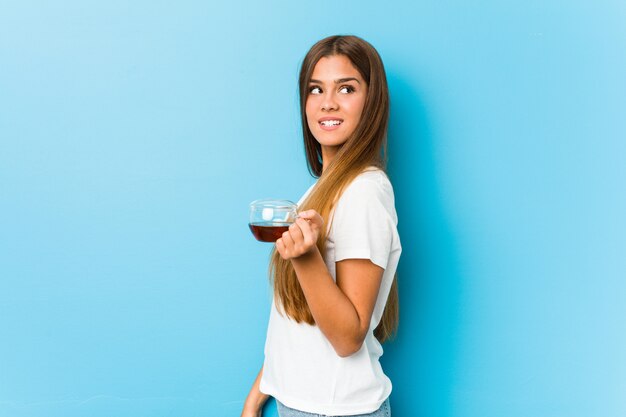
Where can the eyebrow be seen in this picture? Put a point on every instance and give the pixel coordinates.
(339, 81)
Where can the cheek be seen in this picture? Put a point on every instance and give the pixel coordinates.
(312, 126)
(310, 114)
(358, 109)
(354, 105)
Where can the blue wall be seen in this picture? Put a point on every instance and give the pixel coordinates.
(133, 135)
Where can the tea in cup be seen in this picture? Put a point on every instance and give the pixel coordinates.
(270, 218)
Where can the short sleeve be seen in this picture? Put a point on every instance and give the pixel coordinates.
(364, 221)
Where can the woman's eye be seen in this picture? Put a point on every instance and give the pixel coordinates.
(315, 90)
(346, 89)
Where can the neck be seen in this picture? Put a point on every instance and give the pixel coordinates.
(328, 154)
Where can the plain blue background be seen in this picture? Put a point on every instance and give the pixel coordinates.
(134, 134)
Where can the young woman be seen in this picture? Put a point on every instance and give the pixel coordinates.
(333, 271)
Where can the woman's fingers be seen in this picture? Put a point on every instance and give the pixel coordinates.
(309, 232)
(287, 240)
(284, 246)
(295, 231)
(301, 236)
(280, 247)
(312, 216)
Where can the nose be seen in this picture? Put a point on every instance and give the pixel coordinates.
(329, 103)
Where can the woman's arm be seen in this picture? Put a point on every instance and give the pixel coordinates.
(341, 310)
(253, 406)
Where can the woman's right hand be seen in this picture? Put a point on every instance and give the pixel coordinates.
(301, 238)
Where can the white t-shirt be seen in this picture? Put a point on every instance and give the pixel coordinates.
(301, 368)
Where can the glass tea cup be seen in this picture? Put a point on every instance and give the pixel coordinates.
(270, 218)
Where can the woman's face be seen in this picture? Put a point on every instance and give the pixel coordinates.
(336, 96)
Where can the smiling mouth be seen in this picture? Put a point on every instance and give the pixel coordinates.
(330, 123)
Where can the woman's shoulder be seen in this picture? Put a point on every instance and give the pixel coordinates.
(372, 176)
(369, 195)
(373, 182)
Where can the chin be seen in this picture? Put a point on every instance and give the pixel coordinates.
(332, 143)
(329, 140)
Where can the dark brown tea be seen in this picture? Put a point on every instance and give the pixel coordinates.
(268, 231)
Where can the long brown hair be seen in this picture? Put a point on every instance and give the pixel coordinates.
(365, 147)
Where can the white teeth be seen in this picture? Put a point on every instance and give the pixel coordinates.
(330, 122)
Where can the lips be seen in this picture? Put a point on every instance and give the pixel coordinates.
(329, 123)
